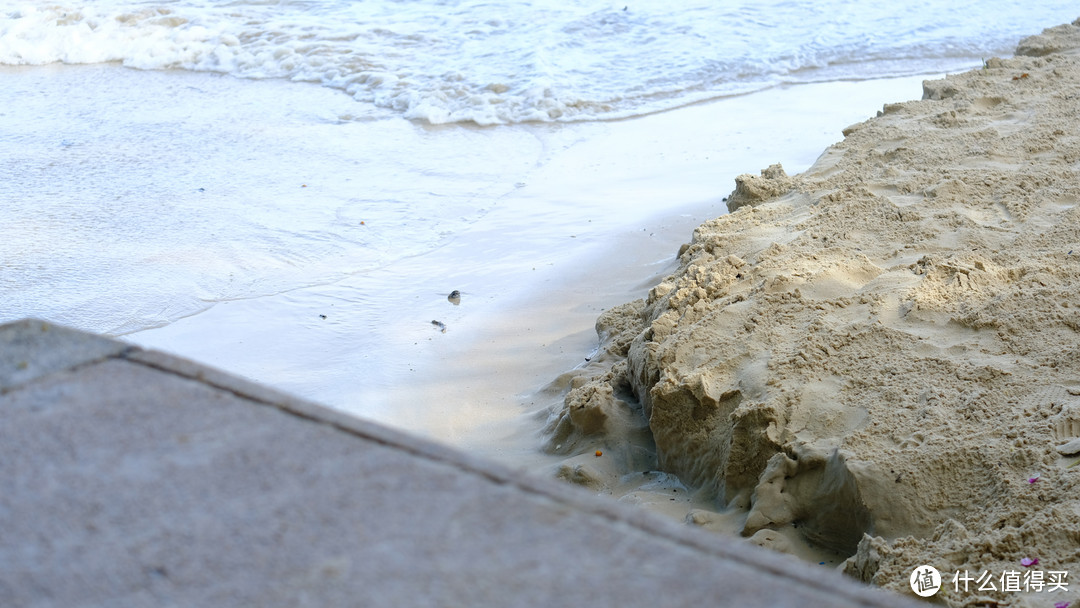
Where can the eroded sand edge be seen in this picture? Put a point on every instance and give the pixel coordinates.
(880, 355)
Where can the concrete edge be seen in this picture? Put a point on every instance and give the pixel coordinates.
(31, 349)
(580, 500)
(782, 566)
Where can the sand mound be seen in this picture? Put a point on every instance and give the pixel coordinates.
(882, 355)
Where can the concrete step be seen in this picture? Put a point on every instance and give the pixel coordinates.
(134, 478)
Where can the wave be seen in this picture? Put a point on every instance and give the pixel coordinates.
(514, 62)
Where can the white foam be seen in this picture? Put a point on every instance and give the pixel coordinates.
(469, 61)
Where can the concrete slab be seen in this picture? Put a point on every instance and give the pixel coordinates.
(133, 478)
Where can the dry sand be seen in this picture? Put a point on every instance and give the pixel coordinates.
(879, 357)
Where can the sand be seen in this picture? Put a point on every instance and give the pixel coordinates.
(879, 357)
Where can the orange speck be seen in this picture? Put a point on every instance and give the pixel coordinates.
(599, 453)
(361, 222)
(303, 185)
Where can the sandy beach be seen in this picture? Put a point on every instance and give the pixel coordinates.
(866, 358)
(876, 358)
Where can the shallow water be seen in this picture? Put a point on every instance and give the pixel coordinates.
(313, 254)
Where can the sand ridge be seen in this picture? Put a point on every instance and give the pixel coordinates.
(879, 356)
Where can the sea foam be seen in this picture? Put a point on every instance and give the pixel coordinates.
(469, 61)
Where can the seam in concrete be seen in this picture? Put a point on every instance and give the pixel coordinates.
(29, 382)
(32, 349)
(778, 565)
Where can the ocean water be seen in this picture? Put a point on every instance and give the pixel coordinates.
(290, 189)
(519, 61)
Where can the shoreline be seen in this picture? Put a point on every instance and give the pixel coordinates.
(648, 182)
(876, 356)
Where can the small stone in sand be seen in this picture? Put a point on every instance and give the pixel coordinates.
(440, 326)
(454, 297)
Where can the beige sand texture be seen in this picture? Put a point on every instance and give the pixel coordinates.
(880, 356)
